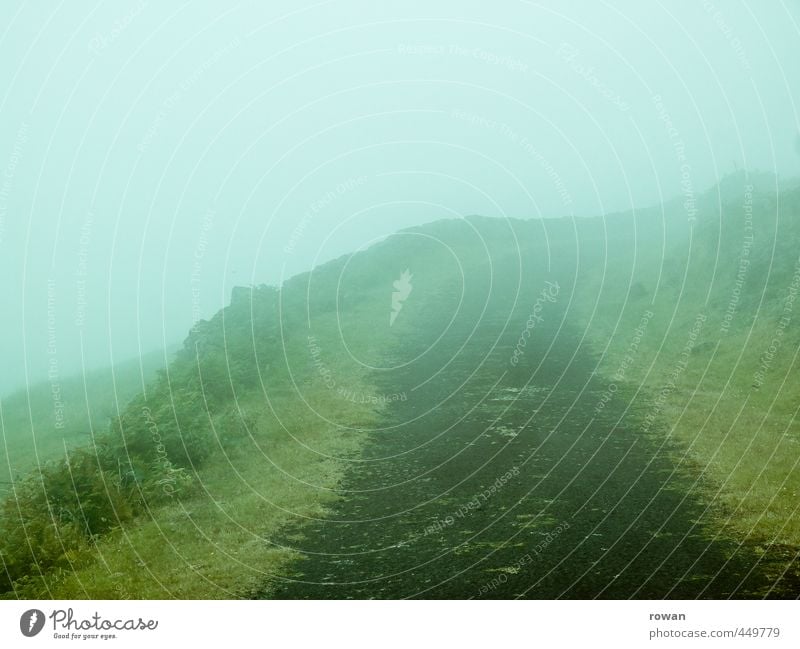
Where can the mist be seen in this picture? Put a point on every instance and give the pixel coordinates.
(152, 158)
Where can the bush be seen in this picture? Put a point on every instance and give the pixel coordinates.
(53, 515)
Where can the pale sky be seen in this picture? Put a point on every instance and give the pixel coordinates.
(153, 155)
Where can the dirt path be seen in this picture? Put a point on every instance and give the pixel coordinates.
(501, 481)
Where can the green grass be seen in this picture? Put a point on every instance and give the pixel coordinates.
(741, 441)
(216, 541)
(275, 459)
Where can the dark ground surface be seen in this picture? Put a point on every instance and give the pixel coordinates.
(591, 508)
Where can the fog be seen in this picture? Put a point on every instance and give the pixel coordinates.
(151, 158)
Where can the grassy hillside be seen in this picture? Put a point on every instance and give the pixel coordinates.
(33, 434)
(254, 423)
(717, 363)
(180, 495)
